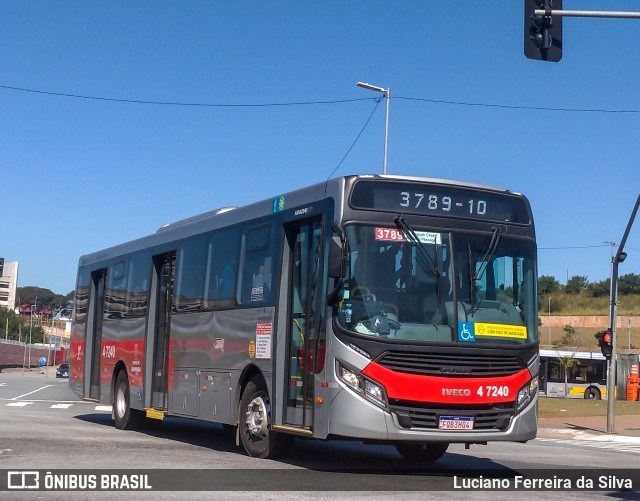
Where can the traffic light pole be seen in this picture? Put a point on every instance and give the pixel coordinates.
(611, 377)
(586, 13)
(543, 26)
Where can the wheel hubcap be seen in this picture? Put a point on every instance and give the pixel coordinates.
(256, 418)
(121, 403)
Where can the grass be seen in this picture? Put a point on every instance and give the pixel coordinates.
(584, 304)
(578, 407)
(585, 340)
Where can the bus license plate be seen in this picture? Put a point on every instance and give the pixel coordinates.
(455, 423)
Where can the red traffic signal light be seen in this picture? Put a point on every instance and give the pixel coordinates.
(606, 343)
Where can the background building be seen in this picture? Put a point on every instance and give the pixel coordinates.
(8, 285)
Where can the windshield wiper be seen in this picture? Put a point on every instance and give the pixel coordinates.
(476, 275)
(491, 249)
(426, 261)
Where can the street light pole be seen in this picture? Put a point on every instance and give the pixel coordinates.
(549, 326)
(619, 257)
(387, 94)
(33, 307)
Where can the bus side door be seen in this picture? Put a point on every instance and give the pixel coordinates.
(306, 299)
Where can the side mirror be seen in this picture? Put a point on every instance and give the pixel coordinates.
(337, 266)
(337, 258)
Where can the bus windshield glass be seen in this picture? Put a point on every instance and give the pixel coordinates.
(420, 285)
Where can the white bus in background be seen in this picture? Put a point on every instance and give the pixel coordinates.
(586, 378)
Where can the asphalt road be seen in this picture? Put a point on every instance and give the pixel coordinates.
(43, 426)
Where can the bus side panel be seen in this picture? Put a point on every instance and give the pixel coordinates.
(122, 341)
(209, 353)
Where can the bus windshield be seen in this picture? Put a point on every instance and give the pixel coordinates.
(404, 283)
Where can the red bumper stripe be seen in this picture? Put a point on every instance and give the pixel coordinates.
(451, 390)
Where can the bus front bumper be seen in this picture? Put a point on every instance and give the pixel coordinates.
(354, 417)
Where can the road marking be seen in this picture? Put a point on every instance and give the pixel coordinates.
(60, 406)
(103, 408)
(3, 384)
(20, 396)
(19, 404)
(629, 447)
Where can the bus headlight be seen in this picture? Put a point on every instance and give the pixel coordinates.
(374, 393)
(350, 378)
(371, 390)
(526, 393)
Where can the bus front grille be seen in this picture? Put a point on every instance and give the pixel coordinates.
(412, 415)
(450, 364)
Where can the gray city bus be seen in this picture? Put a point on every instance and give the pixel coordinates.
(379, 308)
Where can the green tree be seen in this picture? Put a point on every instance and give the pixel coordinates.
(629, 284)
(570, 338)
(16, 328)
(566, 363)
(576, 284)
(547, 284)
(599, 289)
(46, 297)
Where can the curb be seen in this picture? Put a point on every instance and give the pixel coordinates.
(582, 435)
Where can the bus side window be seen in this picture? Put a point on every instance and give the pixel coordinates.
(138, 285)
(256, 267)
(222, 268)
(190, 270)
(115, 297)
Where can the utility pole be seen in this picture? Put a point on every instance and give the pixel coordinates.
(619, 257)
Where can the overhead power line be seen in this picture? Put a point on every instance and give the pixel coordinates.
(516, 107)
(574, 247)
(177, 103)
(378, 99)
(582, 247)
(308, 103)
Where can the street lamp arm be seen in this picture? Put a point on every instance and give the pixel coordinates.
(368, 86)
(387, 94)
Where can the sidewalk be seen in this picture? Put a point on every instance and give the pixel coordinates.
(626, 428)
(34, 372)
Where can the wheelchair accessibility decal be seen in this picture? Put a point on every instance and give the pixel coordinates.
(466, 332)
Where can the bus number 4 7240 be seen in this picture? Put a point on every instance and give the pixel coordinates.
(493, 391)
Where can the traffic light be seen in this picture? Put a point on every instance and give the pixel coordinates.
(1, 266)
(542, 34)
(606, 343)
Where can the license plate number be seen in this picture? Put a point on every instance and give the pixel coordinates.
(455, 423)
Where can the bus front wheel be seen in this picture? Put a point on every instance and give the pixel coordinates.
(422, 451)
(125, 417)
(592, 394)
(254, 421)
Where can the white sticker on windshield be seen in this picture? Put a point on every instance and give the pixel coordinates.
(395, 235)
(426, 237)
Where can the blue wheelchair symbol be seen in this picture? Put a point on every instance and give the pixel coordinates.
(466, 332)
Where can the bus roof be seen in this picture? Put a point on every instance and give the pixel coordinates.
(581, 355)
(226, 216)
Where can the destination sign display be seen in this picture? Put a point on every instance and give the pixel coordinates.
(439, 200)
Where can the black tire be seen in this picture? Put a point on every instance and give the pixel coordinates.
(125, 417)
(592, 394)
(254, 422)
(422, 451)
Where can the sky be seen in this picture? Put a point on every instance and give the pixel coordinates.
(91, 157)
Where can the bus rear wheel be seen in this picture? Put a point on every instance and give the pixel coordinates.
(592, 394)
(254, 422)
(422, 451)
(125, 417)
